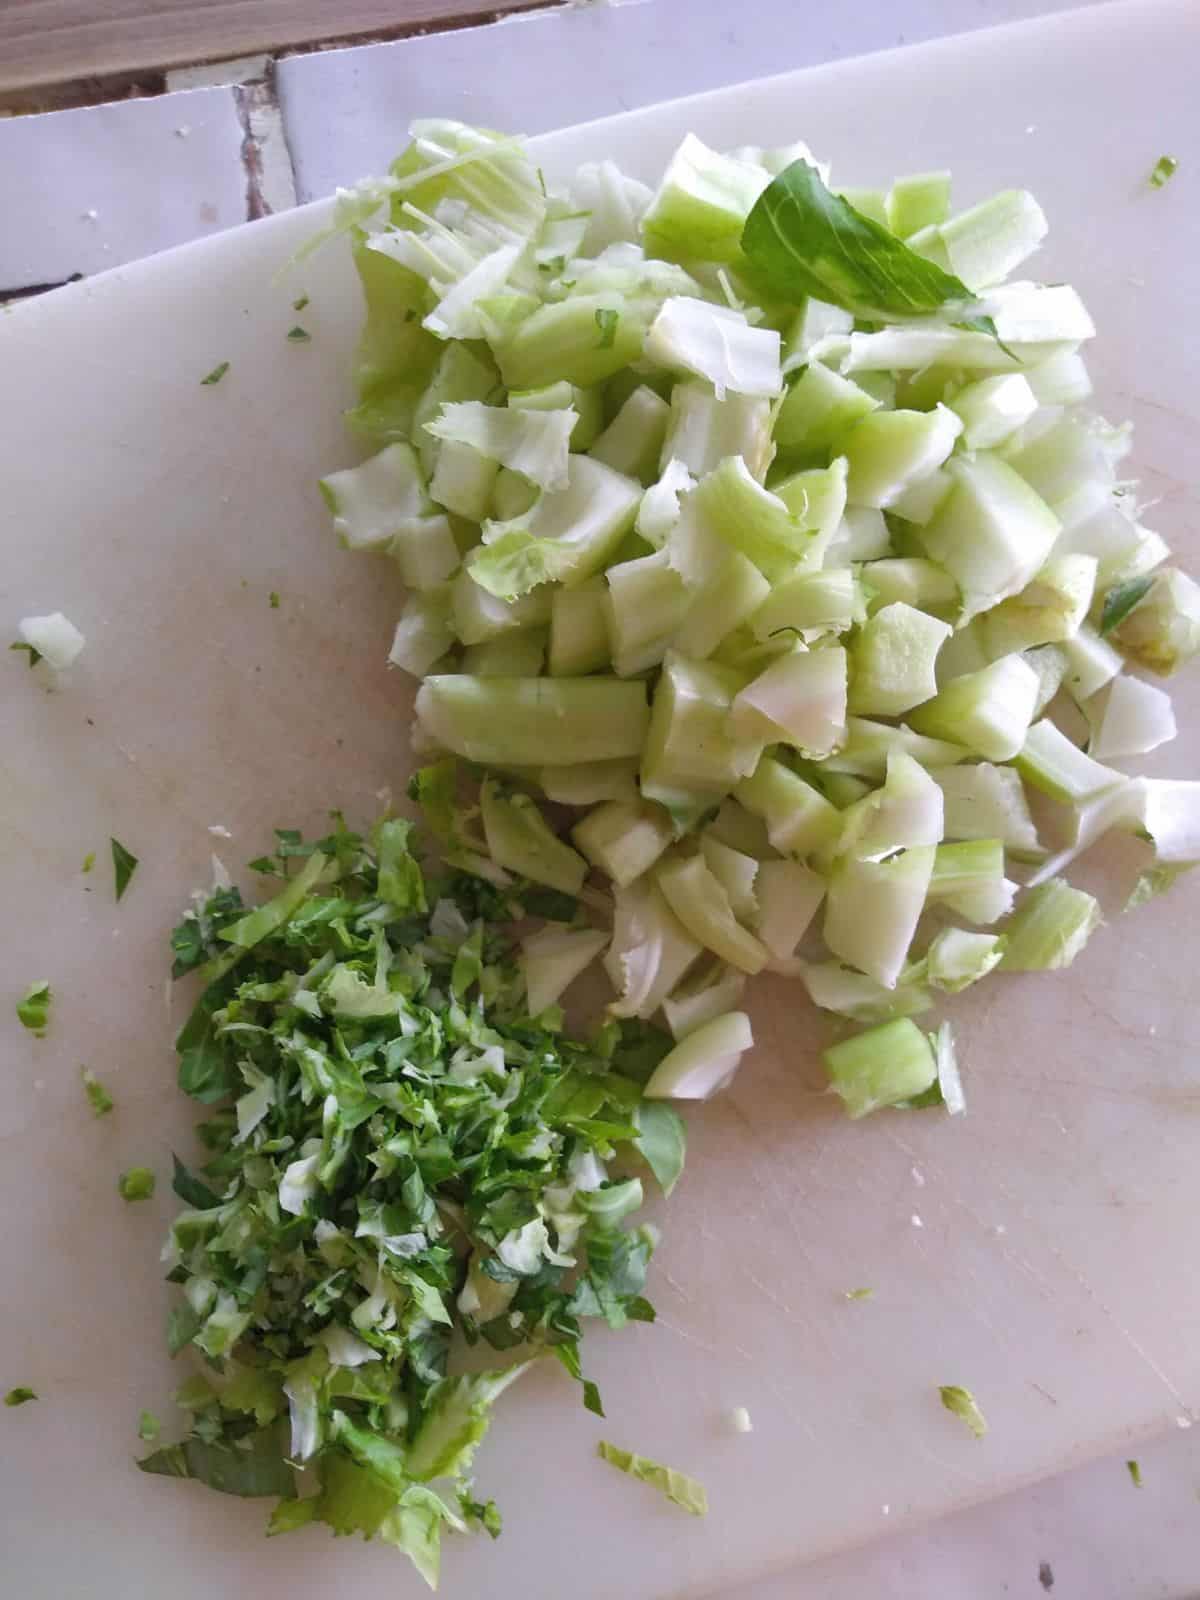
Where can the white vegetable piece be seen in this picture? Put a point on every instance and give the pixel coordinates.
(1133, 719)
(56, 639)
(717, 344)
(704, 1061)
(553, 958)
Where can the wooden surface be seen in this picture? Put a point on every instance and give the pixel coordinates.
(51, 42)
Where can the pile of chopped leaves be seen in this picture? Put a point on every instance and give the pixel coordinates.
(401, 1163)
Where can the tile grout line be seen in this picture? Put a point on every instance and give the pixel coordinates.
(266, 158)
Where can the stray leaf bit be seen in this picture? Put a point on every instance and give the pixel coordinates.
(273, 599)
(34, 654)
(34, 1008)
(149, 1426)
(136, 1184)
(89, 861)
(299, 335)
(606, 321)
(124, 866)
(98, 1096)
(1121, 599)
(19, 1396)
(1163, 170)
(963, 1404)
(1135, 1473)
(217, 373)
(686, 1493)
(299, 305)
(860, 1294)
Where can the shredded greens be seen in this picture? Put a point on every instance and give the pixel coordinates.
(99, 1098)
(217, 373)
(395, 1152)
(680, 1490)
(962, 1404)
(33, 1008)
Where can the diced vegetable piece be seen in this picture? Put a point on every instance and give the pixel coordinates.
(921, 499)
(534, 443)
(1033, 315)
(590, 783)
(650, 952)
(800, 821)
(566, 536)
(736, 872)
(918, 347)
(817, 497)
(911, 580)
(789, 896)
(579, 629)
(740, 830)
(816, 322)
(530, 721)
(478, 615)
(703, 429)
(969, 878)
(461, 373)
(872, 909)
(921, 200)
(703, 996)
(588, 405)
(893, 655)
(519, 653)
(851, 994)
(1049, 928)
(1161, 630)
(647, 603)
(691, 744)
(868, 203)
(733, 595)
(583, 339)
(423, 634)
(697, 898)
(819, 408)
(55, 638)
(988, 802)
(957, 958)
(633, 440)
(863, 535)
(1048, 610)
(800, 698)
(991, 533)
(750, 519)
(1091, 663)
(700, 207)
(1171, 816)
(890, 450)
(552, 959)
(373, 502)
(1075, 450)
(1060, 380)
(463, 481)
(885, 1066)
(512, 496)
(425, 551)
(520, 840)
(703, 1061)
(812, 604)
(1050, 762)
(614, 204)
(1133, 719)
(1120, 806)
(907, 811)
(1049, 661)
(624, 839)
(716, 344)
(989, 711)
(988, 241)
(992, 409)
(868, 745)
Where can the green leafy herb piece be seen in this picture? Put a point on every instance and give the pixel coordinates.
(1121, 599)
(962, 1403)
(299, 335)
(217, 373)
(255, 1466)
(34, 1007)
(1135, 1473)
(19, 1396)
(136, 1184)
(299, 305)
(89, 861)
(661, 1141)
(860, 1294)
(1155, 881)
(607, 320)
(99, 1098)
(273, 599)
(34, 654)
(1163, 170)
(191, 1190)
(679, 1489)
(149, 1427)
(801, 239)
(124, 866)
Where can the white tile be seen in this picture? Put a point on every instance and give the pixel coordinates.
(346, 111)
(84, 190)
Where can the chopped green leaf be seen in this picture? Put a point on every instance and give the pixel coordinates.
(661, 1141)
(801, 239)
(89, 861)
(1121, 599)
(860, 1294)
(19, 1396)
(1163, 170)
(34, 1007)
(252, 1467)
(299, 335)
(1135, 1473)
(273, 599)
(1155, 881)
(34, 654)
(136, 1184)
(98, 1096)
(961, 1402)
(607, 321)
(679, 1489)
(299, 305)
(124, 865)
(217, 373)
(149, 1427)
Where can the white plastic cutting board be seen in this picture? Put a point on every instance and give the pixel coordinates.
(1053, 1269)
